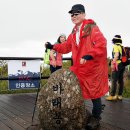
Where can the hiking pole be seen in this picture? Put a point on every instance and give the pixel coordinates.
(36, 100)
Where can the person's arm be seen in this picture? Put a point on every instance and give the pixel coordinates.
(116, 55)
(63, 47)
(53, 57)
(99, 43)
(85, 58)
(114, 64)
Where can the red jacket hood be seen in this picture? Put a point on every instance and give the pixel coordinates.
(85, 21)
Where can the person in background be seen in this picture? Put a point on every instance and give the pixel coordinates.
(117, 69)
(89, 54)
(109, 84)
(55, 57)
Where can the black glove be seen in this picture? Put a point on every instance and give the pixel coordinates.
(87, 57)
(48, 45)
(46, 50)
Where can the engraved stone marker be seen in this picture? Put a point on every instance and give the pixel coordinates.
(60, 103)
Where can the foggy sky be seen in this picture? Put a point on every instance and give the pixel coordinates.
(25, 25)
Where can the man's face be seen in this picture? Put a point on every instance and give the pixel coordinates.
(77, 18)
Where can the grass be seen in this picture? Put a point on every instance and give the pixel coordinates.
(126, 92)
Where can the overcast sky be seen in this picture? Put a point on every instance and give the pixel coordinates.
(25, 25)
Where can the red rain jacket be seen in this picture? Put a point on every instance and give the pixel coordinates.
(93, 75)
(58, 59)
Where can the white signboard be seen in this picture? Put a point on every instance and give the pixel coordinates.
(24, 74)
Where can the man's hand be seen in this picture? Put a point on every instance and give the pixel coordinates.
(114, 66)
(82, 61)
(48, 45)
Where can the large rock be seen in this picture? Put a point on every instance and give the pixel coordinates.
(60, 103)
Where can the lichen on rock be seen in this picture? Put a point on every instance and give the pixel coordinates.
(60, 103)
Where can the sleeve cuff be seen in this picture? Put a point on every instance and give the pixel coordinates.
(87, 57)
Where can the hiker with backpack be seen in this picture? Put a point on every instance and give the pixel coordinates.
(89, 54)
(118, 69)
(56, 57)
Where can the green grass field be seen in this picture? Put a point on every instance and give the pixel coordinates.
(4, 89)
(126, 92)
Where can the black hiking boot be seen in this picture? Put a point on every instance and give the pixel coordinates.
(93, 124)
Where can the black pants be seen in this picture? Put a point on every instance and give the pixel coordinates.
(97, 108)
(117, 76)
(53, 69)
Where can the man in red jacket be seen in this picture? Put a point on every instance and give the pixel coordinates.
(89, 54)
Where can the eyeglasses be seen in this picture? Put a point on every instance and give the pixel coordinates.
(75, 14)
